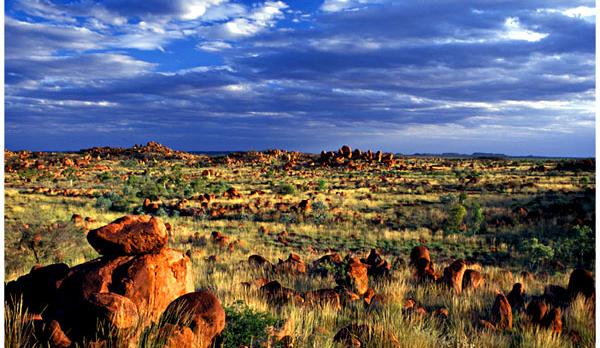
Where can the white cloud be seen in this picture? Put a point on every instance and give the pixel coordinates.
(339, 5)
(224, 11)
(514, 31)
(583, 12)
(55, 71)
(24, 39)
(238, 87)
(195, 9)
(251, 24)
(213, 46)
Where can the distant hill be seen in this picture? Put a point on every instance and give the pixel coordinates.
(482, 155)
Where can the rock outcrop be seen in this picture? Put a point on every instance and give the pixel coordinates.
(129, 235)
(124, 291)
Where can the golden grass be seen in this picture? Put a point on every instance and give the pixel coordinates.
(315, 327)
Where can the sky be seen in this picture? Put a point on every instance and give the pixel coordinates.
(514, 77)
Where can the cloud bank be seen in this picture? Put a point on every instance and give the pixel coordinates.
(497, 76)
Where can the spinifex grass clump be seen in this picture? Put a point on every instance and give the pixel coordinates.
(18, 326)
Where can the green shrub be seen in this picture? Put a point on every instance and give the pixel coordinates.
(536, 252)
(456, 216)
(585, 181)
(112, 201)
(475, 217)
(218, 187)
(285, 189)
(319, 212)
(246, 326)
(322, 185)
(195, 186)
(577, 247)
(288, 218)
(448, 199)
(105, 176)
(270, 174)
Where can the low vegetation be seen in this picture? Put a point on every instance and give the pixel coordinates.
(528, 221)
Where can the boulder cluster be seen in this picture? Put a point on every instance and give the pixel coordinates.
(458, 276)
(346, 157)
(544, 310)
(351, 276)
(16, 161)
(209, 207)
(137, 282)
(152, 150)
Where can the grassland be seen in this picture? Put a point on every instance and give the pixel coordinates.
(507, 215)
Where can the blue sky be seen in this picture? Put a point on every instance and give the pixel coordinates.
(514, 77)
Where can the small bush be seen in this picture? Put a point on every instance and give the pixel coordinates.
(112, 201)
(577, 247)
(456, 215)
(475, 217)
(285, 189)
(218, 187)
(246, 326)
(536, 252)
(322, 185)
(319, 212)
(448, 199)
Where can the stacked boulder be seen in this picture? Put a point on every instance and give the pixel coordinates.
(458, 276)
(420, 260)
(377, 266)
(345, 156)
(120, 293)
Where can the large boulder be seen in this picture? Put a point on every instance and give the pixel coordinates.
(293, 264)
(553, 321)
(377, 265)
(516, 297)
(355, 276)
(323, 297)
(324, 265)
(502, 313)
(472, 279)
(424, 271)
(196, 316)
(112, 287)
(581, 282)
(536, 310)
(276, 294)
(56, 335)
(152, 281)
(345, 151)
(453, 275)
(417, 253)
(113, 311)
(258, 261)
(130, 235)
(39, 288)
(557, 295)
(85, 279)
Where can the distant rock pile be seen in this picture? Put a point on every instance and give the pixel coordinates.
(22, 160)
(290, 158)
(152, 150)
(124, 291)
(346, 157)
